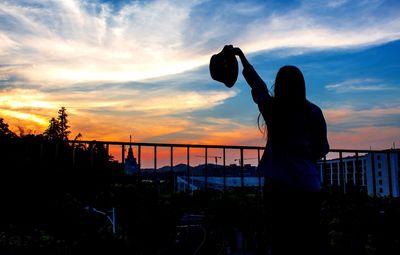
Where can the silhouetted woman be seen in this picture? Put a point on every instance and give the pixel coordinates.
(297, 137)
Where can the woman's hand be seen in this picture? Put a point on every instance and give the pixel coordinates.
(234, 50)
(238, 52)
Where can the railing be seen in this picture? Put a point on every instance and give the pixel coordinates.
(189, 156)
(377, 171)
(368, 164)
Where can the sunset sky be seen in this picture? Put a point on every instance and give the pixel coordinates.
(141, 67)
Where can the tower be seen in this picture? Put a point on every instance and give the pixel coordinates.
(131, 166)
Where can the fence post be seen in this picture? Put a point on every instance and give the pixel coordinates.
(156, 177)
(224, 168)
(324, 172)
(258, 173)
(73, 155)
(92, 155)
(155, 161)
(139, 171)
(373, 173)
(389, 174)
(206, 170)
(139, 160)
(342, 172)
(188, 168)
(123, 157)
(172, 168)
(241, 170)
(356, 172)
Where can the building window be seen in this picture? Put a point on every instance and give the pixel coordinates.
(380, 182)
(379, 173)
(381, 190)
(379, 165)
(378, 157)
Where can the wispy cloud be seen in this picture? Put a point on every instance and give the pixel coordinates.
(311, 26)
(376, 138)
(90, 56)
(374, 116)
(359, 85)
(112, 110)
(336, 3)
(83, 41)
(155, 102)
(60, 41)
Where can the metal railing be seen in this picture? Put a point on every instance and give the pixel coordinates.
(368, 164)
(189, 157)
(371, 176)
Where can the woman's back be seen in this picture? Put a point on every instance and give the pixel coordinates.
(299, 132)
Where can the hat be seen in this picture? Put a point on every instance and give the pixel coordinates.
(224, 68)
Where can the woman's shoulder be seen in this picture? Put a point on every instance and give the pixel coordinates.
(313, 108)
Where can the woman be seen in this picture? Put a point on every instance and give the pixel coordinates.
(297, 137)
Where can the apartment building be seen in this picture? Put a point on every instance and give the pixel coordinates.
(376, 173)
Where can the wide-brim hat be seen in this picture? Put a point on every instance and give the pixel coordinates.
(224, 67)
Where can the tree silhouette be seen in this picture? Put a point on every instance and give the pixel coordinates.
(63, 123)
(58, 128)
(5, 132)
(53, 131)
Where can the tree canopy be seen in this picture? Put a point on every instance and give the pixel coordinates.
(58, 128)
(4, 130)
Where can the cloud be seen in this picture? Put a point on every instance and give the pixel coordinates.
(336, 3)
(77, 41)
(142, 65)
(24, 116)
(109, 112)
(377, 138)
(155, 102)
(342, 114)
(359, 85)
(342, 119)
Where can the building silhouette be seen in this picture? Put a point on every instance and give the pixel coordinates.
(131, 166)
(374, 173)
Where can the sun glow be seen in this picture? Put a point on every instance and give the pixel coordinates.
(24, 116)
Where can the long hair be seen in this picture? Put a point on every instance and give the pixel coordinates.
(289, 93)
(290, 87)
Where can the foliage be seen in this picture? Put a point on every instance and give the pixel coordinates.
(58, 128)
(63, 122)
(5, 132)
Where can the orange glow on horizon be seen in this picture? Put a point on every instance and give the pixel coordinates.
(196, 156)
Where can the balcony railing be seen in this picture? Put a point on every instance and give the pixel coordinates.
(365, 170)
(368, 164)
(188, 177)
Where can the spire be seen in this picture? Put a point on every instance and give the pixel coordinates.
(131, 166)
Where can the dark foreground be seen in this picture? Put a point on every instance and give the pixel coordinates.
(53, 215)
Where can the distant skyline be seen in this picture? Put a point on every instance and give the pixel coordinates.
(141, 67)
